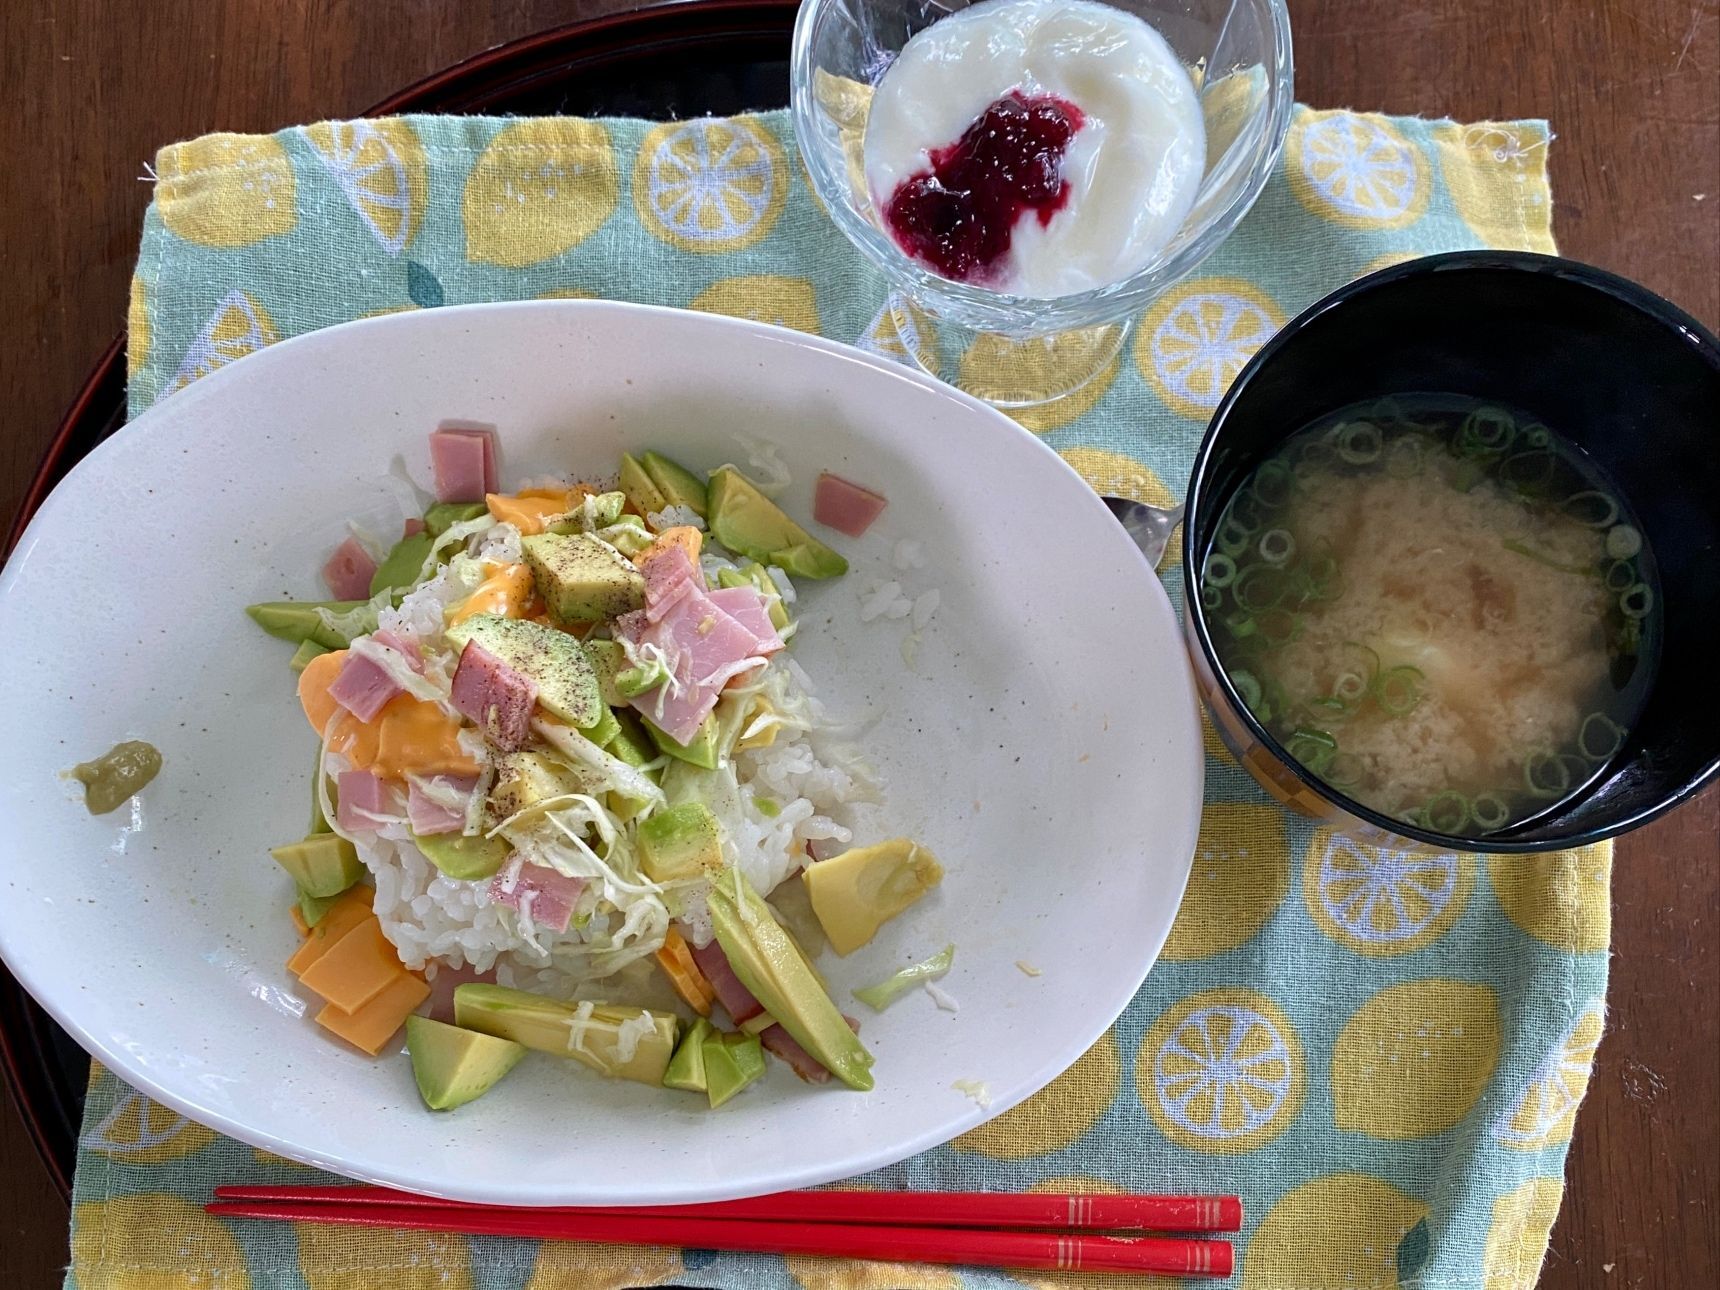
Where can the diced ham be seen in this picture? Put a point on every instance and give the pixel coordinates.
(363, 797)
(349, 570)
(668, 575)
(403, 645)
(747, 607)
(734, 996)
(546, 896)
(845, 506)
(803, 1063)
(363, 688)
(495, 696)
(426, 815)
(463, 460)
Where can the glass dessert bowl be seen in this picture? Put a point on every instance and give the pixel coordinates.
(1025, 326)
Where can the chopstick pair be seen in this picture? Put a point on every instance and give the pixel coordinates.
(978, 1228)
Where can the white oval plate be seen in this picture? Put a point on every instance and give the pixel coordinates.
(1046, 747)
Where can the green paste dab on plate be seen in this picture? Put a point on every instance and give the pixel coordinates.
(118, 775)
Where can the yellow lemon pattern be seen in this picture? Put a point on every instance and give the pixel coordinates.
(138, 1131)
(539, 189)
(1496, 173)
(239, 326)
(1356, 170)
(1345, 1231)
(1415, 1058)
(1546, 1112)
(710, 186)
(1222, 1072)
(1119, 476)
(1058, 1115)
(137, 334)
(1517, 1239)
(1192, 344)
(381, 170)
(154, 1241)
(1380, 899)
(839, 1274)
(1561, 897)
(364, 1258)
(1085, 1184)
(602, 1267)
(766, 298)
(226, 190)
(1240, 876)
(997, 367)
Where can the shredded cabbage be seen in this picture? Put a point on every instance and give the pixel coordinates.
(769, 472)
(975, 1090)
(609, 774)
(399, 669)
(630, 1032)
(880, 996)
(942, 998)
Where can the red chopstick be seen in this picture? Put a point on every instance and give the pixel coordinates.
(1084, 1212)
(1176, 1256)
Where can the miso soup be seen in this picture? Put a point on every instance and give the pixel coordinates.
(1440, 608)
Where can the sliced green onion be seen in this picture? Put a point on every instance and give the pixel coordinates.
(1397, 690)
(1343, 771)
(1537, 435)
(1486, 432)
(880, 996)
(1446, 812)
(1279, 626)
(1260, 587)
(1232, 537)
(1489, 811)
(1406, 457)
(1583, 570)
(1247, 687)
(1272, 484)
(1244, 513)
(1277, 546)
(1545, 775)
(1210, 597)
(1387, 410)
(1591, 508)
(1359, 442)
(1313, 749)
(1623, 542)
(1620, 575)
(1636, 601)
(1241, 624)
(1220, 570)
(1599, 737)
(1526, 471)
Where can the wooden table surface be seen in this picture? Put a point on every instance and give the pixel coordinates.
(90, 88)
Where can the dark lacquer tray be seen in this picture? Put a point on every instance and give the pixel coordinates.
(671, 60)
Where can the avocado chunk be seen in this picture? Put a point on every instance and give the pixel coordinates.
(755, 576)
(687, 1066)
(402, 565)
(303, 655)
(612, 1039)
(732, 1062)
(701, 750)
(770, 964)
(607, 662)
(445, 515)
(746, 521)
(303, 620)
(467, 857)
(678, 485)
(641, 490)
(324, 864)
(682, 841)
(567, 687)
(857, 892)
(605, 728)
(312, 908)
(593, 511)
(628, 744)
(455, 1066)
(319, 821)
(582, 579)
(524, 779)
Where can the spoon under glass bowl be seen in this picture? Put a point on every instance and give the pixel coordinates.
(1150, 526)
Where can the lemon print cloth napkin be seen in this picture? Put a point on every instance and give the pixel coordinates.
(1381, 1052)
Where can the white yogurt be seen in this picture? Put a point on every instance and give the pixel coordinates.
(1133, 168)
